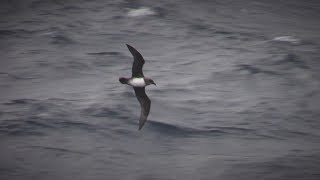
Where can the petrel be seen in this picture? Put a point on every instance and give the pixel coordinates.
(139, 82)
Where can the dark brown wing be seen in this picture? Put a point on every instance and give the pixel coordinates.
(137, 62)
(145, 104)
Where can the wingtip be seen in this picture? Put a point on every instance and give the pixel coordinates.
(131, 49)
(140, 127)
(128, 46)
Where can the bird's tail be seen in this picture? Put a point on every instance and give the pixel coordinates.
(123, 80)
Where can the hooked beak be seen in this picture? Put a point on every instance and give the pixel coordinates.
(154, 84)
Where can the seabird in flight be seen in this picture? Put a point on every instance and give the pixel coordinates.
(139, 82)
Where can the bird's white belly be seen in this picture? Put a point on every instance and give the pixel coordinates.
(137, 82)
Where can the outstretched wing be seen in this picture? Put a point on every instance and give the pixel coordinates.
(145, 104)
(137, 63)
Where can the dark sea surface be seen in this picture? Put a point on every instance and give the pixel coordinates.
(237, 95)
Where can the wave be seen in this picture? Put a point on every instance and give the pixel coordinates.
(18, 33)
(15, 77)
(42, 125)
(34, 117)
(22, 127)
(292, 59)
(61, 39)
(20, 101)
(142, 11)
(62, 150)
(288, 39)
(111, 53)
(98, 111)
(254, 70)
(176, 130)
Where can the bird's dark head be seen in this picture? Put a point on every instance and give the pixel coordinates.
(149, 81)
(123, 80)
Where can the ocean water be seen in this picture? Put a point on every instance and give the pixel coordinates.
(237, 95)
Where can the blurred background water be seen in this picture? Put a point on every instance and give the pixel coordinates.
(237, 95)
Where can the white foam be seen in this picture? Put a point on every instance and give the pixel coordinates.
(143, 11)
(289, 39)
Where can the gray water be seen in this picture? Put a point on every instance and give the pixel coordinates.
(237, 95)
